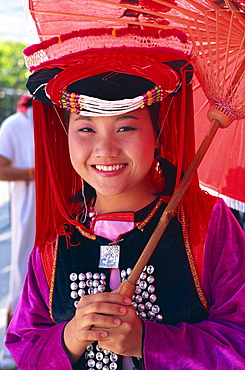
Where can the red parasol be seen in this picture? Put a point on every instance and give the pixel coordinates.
(222, 170)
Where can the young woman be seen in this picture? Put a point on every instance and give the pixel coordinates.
(188, 308)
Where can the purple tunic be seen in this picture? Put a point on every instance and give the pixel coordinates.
(216, 343)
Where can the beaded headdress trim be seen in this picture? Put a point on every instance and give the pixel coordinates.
(84, 105)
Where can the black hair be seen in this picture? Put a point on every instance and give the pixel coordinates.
(67, 118)
(155, 119)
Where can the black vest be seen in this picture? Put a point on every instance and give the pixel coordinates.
(165, 292)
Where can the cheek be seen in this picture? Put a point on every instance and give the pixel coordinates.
(144, 153)
(148, 150)
(77, 151)
(148, 145)
(72, 150)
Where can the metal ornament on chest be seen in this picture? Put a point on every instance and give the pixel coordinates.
(109, 256)
(86, 283)
(99, 358)
(144, 302)
(144, 299)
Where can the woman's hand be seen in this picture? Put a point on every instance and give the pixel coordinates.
(102, 312)
(124, 339)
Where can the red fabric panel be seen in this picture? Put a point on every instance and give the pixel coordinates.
(223, 167)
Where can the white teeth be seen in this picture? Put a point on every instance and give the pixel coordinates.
(109, 168)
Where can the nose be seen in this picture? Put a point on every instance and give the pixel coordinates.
(106, 148)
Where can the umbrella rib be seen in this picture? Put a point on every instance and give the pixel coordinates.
(90, 17)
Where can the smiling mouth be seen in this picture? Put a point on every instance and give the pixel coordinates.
(109, 168)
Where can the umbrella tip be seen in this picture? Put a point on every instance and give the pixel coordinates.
(221, 114)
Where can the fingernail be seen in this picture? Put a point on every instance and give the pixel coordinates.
(122, 309)
(117, 321)
(104, 334)
(127, 301)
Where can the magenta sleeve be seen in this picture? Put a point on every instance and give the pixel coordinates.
(33, 339)
(217, 343)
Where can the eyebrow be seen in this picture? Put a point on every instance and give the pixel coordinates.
(80, 117)
(126, 116)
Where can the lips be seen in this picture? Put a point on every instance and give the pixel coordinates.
(110, 168)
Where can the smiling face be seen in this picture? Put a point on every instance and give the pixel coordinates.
(113, 154)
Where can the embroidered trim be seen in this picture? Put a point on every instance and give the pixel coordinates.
(192, 263)
(87, 234)
(47, 257)
(141, 225)
(51, 291)
(120, 216)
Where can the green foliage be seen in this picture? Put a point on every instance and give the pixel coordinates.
(13, 72)
(13, 76)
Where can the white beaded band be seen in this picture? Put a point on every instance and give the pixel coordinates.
(89, 106)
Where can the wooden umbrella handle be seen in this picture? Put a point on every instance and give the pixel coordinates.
(127, 287)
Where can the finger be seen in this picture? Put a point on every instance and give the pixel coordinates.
(102, 321)
(101, 307)
(92, 335)
(105, 297)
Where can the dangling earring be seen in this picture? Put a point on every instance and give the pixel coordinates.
(155, 175)
(157, 154)
(85, 210)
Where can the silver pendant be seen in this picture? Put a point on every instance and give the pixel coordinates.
(109, 256)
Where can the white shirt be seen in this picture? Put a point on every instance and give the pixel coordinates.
(17, 145)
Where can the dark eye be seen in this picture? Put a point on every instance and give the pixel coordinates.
(86, 129)
(126, 128)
